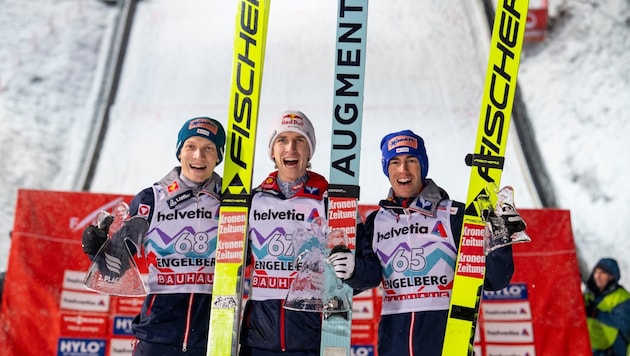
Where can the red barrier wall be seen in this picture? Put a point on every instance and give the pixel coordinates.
(45, 308)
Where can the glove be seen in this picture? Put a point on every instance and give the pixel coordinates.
(591, 310)
(502, 225)
(94, 237)
(342, 260)
(512, 219)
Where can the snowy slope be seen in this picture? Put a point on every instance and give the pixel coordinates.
(577, 88)
(50, 55)
(425, 66)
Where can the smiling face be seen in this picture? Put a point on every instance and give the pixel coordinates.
(404, 175)
(291, 153)
(198, 157)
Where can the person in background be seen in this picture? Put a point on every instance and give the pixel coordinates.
(415, 234)
(286, 201)
(607, 306)
(182, 211)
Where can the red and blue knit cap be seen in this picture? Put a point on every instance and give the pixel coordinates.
(203, 127)
(404, 142)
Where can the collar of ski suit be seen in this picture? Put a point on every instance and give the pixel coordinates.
(314, 187)
(179, 190)
(425, 203)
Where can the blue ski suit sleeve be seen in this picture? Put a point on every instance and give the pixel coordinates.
(145, 197)
(367, 268)
(499, 269)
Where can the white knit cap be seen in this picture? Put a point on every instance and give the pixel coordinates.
(294, 121)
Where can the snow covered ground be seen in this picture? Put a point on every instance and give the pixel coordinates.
(425, 70)
(577, 88)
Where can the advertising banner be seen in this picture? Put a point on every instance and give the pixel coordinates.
(541, 312)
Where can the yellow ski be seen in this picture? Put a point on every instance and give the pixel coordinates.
(487, 165)
(247, 71)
